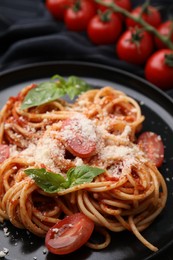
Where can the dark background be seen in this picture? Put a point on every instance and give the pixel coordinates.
(29, 34)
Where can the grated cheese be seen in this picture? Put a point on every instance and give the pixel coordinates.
(47, 150)
(78, 161)
(115, 156)
(81, 125)
(116, 152)
(2, 254)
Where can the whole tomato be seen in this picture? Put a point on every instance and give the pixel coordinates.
(125, 4)
(165, 29)
(58, 7)
(104, 28)
(135, 46)
(78, 16)
(150, 14)
(159, 69)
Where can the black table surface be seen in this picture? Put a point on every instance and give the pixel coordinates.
(29, 34)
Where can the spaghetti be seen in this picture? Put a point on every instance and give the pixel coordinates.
(128, 195)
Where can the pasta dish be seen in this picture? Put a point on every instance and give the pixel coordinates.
(60, 158)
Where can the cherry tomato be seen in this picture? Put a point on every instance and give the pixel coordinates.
(58, 7)
(4, 152)
(78, 16)
(104, 28)
(152, 145)
(164, 29)
(125, 4)
(69, 234)
(78, 142)
(151, 15)
(159, 69)
(135, 46)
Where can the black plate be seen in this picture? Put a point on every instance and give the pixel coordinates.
(156, 107)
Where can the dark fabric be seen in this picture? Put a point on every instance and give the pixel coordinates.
(29, 34)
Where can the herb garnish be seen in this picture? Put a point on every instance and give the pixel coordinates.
(49, 91)
(53, 182)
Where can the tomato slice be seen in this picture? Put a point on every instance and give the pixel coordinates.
(79, 137)
(4, 152)
(69, 234)
(152, 145)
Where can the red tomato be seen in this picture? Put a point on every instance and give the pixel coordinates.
(152, 145)
(78, 16)
(58, 7)
(125, 4)
(69, 234)
(4, 152)
(76, 141)
(151, 16)
(104, 28)
(164, 29)
(159, 69)
(135, 46)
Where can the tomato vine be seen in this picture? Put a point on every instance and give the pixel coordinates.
(112, 5)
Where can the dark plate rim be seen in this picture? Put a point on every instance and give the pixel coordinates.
(5, 74)
(21, 68)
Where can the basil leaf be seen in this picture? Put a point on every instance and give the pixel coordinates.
(60, 78)
(48, 181)
(52, 182)
(75, 86)
(43, 93)
(49, 91)
(82, 174)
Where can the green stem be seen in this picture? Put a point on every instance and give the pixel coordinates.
(139, 20)
(77, 6)
(145, 8)
(105, 16)
(169, 59)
